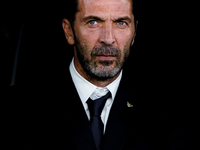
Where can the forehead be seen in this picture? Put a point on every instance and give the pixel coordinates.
(105, 7)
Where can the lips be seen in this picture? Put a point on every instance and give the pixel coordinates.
(105, 57)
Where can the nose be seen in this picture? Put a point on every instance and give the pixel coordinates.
(106, 34)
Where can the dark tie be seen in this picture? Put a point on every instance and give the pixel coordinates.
(95, 108)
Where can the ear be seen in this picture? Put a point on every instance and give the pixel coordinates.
(136, 24)
(68, 31)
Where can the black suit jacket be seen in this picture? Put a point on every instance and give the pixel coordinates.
(52, 117)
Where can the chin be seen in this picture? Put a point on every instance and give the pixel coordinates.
(104, 72)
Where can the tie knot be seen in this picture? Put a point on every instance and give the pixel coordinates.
(96, 106)
(99, 92)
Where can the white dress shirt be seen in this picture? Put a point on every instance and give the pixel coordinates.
(85, 89)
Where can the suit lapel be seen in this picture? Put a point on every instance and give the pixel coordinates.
(80, 128)
(77, 122)
(123, 117)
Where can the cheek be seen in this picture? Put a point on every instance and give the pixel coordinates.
(89, 38)
(91, 34)
(86, 43)
(124, 40)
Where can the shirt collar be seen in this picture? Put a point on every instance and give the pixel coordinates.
(85, 88)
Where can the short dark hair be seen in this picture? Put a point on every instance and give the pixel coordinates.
(72, 8)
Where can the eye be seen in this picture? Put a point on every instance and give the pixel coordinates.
(122, 23)
(92, 22)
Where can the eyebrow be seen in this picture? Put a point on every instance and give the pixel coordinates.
(102, 19)
(92, 17)
(124, 18)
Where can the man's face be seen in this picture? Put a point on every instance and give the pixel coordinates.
(104, 31)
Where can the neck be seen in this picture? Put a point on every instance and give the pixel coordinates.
(97, 82)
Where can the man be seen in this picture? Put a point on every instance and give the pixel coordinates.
(102, 32)
(97, 104)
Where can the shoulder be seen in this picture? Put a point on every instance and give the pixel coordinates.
(150, 91)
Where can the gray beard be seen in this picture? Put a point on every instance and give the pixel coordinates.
(105, 71)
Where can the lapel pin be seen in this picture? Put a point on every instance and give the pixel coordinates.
(129, 104)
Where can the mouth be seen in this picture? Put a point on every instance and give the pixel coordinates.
(105, 57)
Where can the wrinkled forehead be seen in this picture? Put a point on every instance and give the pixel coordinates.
(105, 7)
